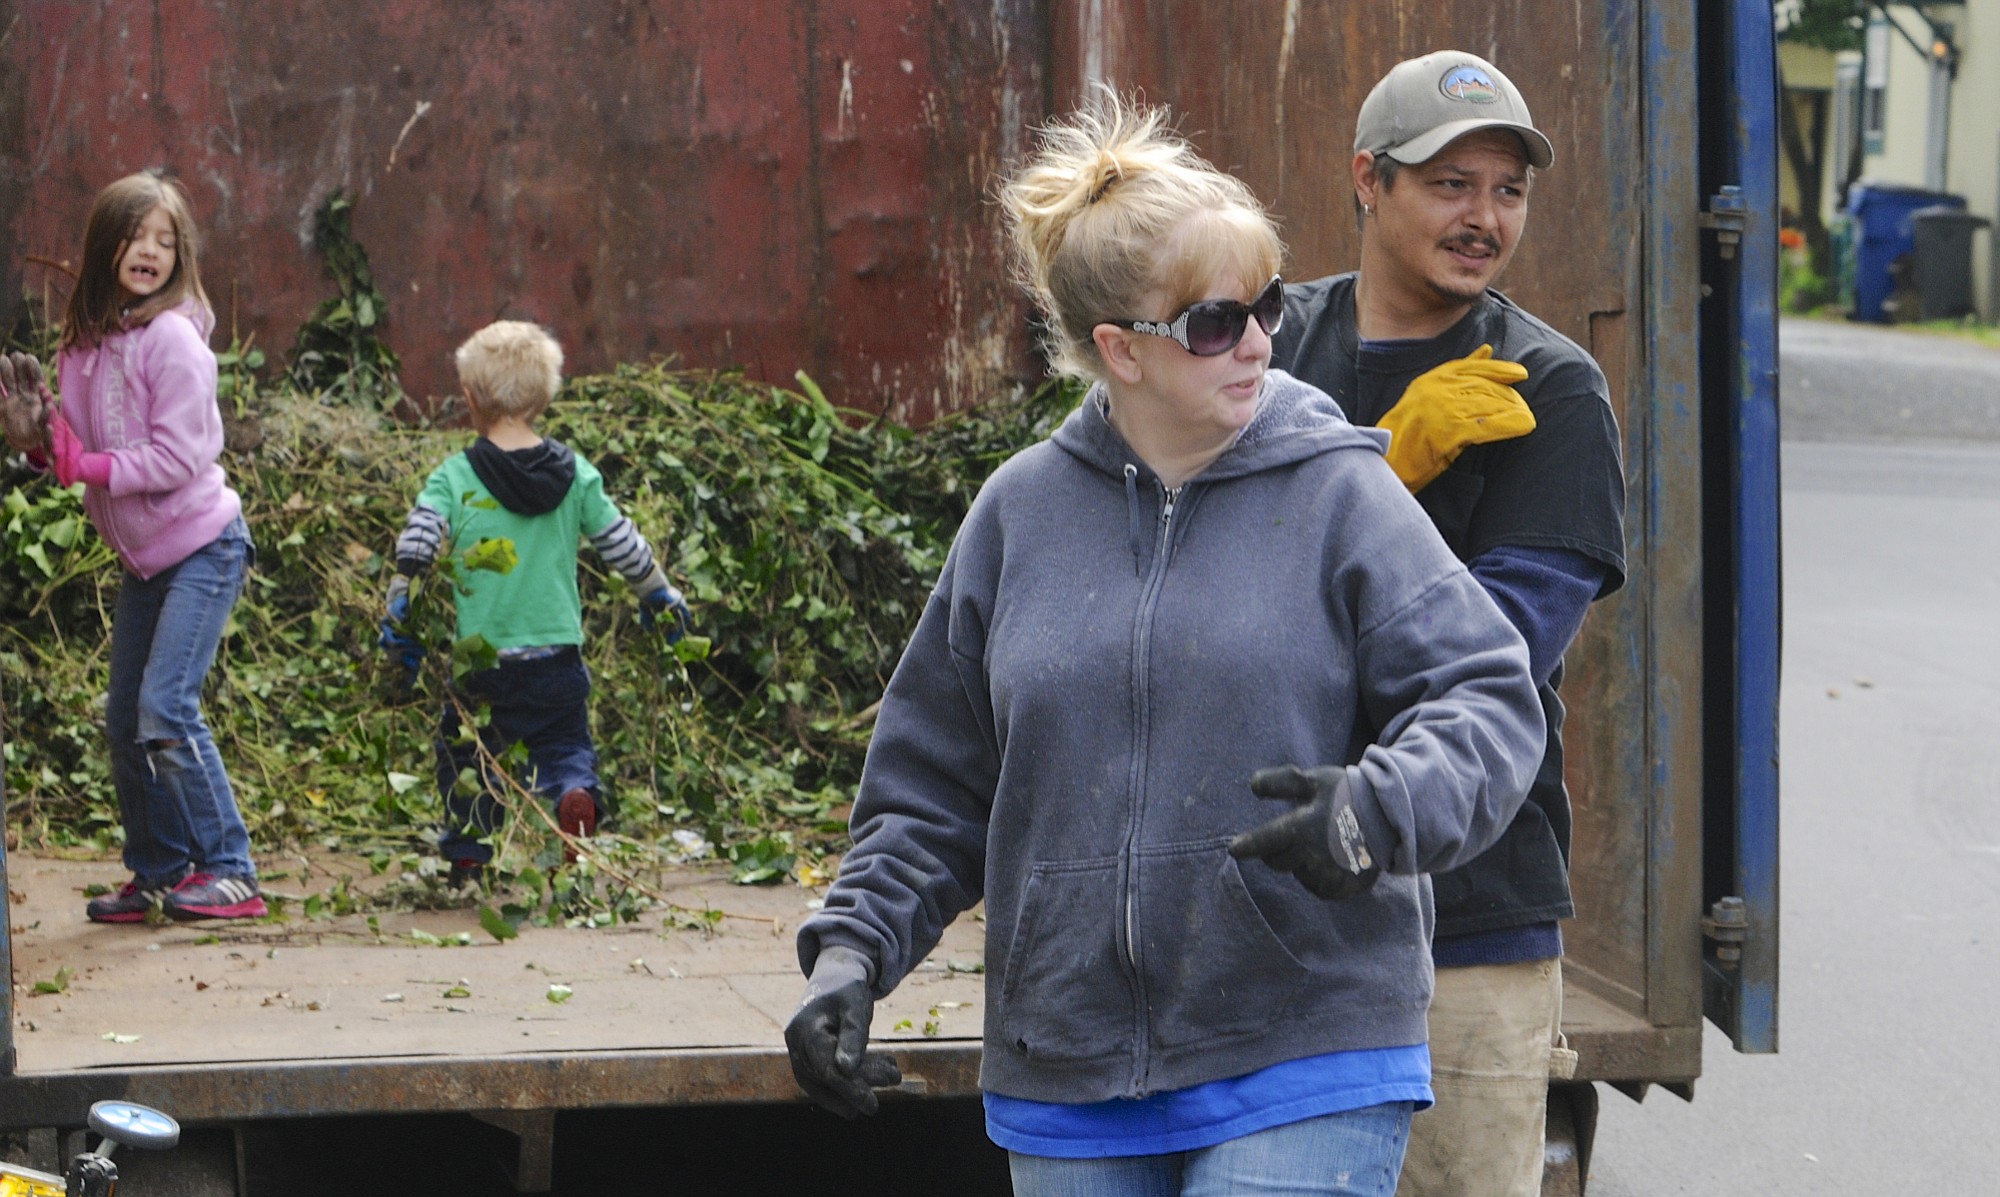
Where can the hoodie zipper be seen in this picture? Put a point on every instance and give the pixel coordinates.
(1148, 604)
(112, 390)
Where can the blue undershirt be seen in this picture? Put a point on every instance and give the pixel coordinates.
(1544, 593)
(1205, 1115)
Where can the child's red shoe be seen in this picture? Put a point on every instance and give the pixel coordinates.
(576, 814)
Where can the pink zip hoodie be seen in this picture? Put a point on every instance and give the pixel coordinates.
(146, 396)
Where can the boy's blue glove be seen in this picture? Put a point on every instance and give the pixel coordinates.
(666, 599)
(405, 650)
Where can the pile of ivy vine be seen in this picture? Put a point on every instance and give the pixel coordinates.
(805, 536)
(340, 353)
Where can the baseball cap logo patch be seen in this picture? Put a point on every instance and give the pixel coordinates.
(1469, 85)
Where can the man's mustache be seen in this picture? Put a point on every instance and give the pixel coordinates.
(1475, 241)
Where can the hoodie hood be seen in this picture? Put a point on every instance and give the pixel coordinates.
(199, 315)
(1294, 421)
(529, 481)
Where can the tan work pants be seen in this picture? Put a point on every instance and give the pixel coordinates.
(1494, 1034)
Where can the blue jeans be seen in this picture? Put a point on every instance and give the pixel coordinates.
(543, 704)
(1355, 1153)
(173, 794)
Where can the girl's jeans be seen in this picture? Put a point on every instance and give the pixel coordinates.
(173, 794)
(543, 704)
(1348, 1154)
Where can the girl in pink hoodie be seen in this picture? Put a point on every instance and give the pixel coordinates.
(138, 426)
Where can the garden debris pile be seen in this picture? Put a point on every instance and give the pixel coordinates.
(806, 538)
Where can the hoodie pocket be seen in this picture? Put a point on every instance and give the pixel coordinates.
(1214, 966)
(1067, 995)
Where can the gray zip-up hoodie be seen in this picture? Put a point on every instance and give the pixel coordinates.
(1071, 733)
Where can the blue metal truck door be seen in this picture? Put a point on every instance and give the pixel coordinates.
(1740, 578)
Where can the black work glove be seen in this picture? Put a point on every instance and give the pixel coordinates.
(828, 1037)
(1321, 842)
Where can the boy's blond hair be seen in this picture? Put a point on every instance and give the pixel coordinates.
(511, 367)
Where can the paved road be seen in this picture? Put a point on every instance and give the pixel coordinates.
(1890, 726)
(1846, 382)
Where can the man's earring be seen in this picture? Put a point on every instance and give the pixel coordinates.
(1368, 209)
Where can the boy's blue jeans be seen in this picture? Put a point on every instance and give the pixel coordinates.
(542, 703)
(173, 794)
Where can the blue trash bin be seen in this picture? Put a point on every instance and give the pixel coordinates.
(1883, 232)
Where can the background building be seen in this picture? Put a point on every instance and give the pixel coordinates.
(1913, 105)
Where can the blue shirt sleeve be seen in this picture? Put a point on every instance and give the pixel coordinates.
(1544, 593)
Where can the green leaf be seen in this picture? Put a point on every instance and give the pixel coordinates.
(761, 860)
(691, 649)
(498, 925)
(812, 390)
(559, 993)
(60, 984)
(474, 653)
(495, 555)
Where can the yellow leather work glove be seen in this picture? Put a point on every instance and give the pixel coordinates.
(1463, 402)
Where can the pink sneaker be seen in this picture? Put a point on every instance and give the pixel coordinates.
(207, 896)
(129, 904)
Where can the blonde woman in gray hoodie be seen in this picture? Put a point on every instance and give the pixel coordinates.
(1199, 698)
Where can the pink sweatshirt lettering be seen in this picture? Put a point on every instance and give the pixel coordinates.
(146, 396)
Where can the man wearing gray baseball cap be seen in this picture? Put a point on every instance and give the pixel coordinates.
(1503, 429)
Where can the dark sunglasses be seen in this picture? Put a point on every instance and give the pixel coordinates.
(1216, 325)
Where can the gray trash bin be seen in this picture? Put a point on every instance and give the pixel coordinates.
(1943, 238)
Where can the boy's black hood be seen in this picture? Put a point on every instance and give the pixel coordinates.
(529, 481)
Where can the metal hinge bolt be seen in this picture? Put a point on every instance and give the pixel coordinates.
(1728, 216)
(1727, 926)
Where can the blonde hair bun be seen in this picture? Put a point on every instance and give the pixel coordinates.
(1093, 214)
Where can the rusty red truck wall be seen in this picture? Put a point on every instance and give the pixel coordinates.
(781, 186)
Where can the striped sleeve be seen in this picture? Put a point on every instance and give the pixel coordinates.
(423, 536)
(624, 550)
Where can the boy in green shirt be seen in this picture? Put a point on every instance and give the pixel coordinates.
(516, 485)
